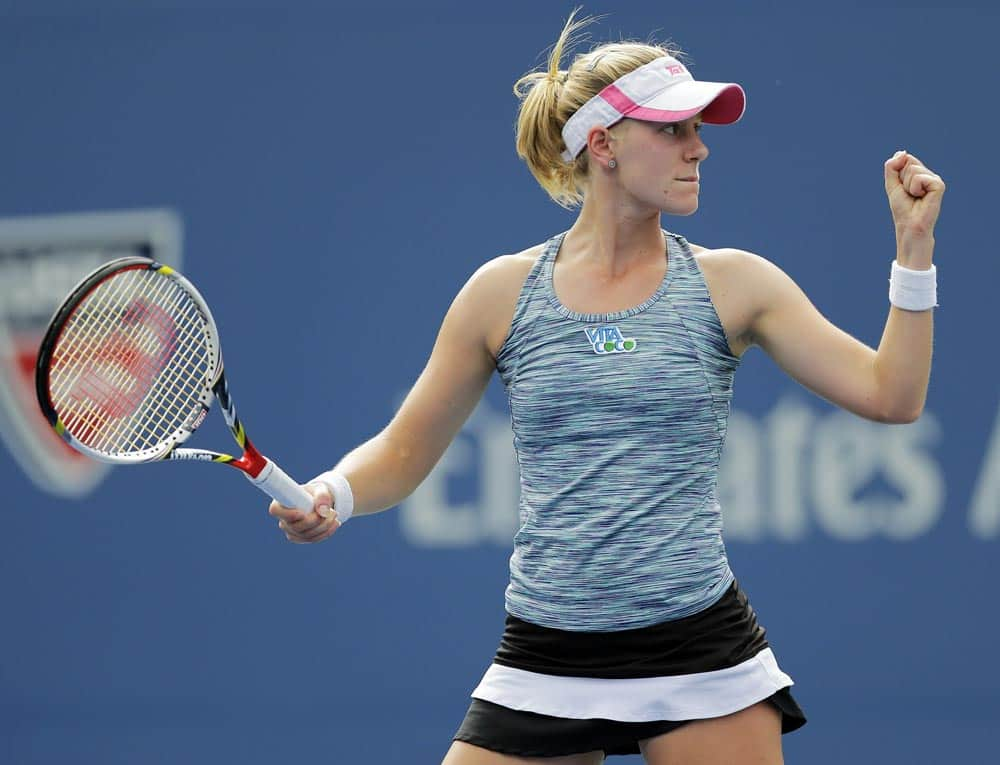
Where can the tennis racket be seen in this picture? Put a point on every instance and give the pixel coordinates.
(129, 367)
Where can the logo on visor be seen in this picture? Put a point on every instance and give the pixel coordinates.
(609, 339)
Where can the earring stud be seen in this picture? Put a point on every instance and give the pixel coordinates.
(612, 164)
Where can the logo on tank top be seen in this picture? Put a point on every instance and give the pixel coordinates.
(609, 339)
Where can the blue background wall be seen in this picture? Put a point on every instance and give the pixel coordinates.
(355, 163)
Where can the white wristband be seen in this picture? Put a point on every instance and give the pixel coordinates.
(913, 290)
(340, 489)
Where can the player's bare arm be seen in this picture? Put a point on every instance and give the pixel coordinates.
(387, 468)
(887, 384)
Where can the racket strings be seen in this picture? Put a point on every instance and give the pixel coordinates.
(185, 373)
(132, 363)
(103, 366)
(175, 380)
(162, 399)
(82, 340)
(72, 376)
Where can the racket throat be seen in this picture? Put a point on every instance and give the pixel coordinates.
(251, 461)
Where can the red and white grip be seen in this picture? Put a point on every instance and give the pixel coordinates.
(282, 487)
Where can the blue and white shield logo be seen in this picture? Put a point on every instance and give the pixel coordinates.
(41, 260)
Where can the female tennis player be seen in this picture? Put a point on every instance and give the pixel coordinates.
(617, 342)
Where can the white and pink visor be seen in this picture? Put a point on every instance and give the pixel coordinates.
(661, 91)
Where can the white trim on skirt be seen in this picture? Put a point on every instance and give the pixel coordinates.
(695, 696)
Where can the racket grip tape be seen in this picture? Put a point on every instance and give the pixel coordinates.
(282, 487)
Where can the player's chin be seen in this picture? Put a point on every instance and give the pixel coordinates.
(677, 207)
(683, 201)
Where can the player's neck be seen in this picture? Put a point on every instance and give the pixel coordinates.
(613, 240)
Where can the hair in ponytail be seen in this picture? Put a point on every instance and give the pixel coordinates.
(549, 97)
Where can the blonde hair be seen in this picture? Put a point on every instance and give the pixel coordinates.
(549, 97)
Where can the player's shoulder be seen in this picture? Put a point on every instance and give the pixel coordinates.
(726, 258)
(511, 267)
(744, 279)
(503, 276)
(732, 265)
(490, 295)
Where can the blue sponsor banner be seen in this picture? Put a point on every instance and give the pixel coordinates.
(341, 172)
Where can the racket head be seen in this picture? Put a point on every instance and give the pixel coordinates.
(126, 368)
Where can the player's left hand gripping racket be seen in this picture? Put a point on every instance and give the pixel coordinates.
(128, 370)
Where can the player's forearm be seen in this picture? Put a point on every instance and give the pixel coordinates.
(382, 473)
(903, 362)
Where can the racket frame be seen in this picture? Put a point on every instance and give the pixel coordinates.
(261, 471)
(165, 446)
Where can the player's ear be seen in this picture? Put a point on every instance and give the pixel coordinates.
(599, 144)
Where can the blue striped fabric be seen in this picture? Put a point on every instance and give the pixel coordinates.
(619, 421)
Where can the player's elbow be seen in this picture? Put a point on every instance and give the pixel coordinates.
(901, 413)
(901, 419)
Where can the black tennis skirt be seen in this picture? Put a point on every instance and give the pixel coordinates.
(551, 693)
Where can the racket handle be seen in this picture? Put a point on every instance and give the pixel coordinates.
(282, 487)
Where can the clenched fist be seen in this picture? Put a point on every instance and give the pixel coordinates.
(915, 193)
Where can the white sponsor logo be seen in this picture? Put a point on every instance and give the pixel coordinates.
(795, 473)
(984, 515)
(609, 339)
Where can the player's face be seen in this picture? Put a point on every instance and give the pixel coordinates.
(658, 163)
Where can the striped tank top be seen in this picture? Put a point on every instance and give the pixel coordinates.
(619, 421)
